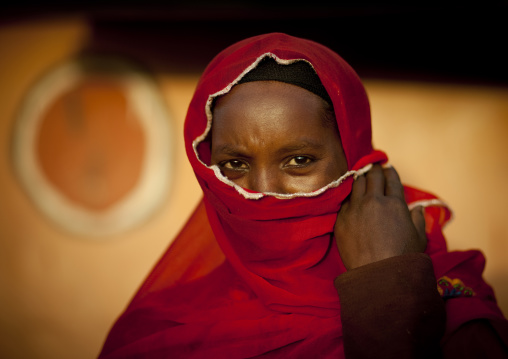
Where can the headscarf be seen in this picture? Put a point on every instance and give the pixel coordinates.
(251, 274)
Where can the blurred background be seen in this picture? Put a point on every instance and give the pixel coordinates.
(94, 181)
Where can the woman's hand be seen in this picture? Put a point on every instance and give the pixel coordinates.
(375, 222)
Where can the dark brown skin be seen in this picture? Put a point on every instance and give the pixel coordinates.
(270, 136)
(375, 223)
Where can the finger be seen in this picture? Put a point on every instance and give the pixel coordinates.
(345, 205)
(375, 180)
(418, 217)
(393, 186)
(358, 189)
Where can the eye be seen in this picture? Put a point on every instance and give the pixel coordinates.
(299, 161)
(235, 165)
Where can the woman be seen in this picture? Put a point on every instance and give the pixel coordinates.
(303, 246)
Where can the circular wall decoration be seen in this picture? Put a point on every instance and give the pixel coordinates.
(92, 146)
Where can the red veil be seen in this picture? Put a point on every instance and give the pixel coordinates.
(252, 274)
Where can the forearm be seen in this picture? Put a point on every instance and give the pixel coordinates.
(392, 309)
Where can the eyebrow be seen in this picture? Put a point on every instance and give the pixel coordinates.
(230, 150)
(302, 145)
(235, 151)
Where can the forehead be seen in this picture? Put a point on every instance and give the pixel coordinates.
(265, 115)
(266, 102)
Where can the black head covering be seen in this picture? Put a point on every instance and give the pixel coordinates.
(298, 73)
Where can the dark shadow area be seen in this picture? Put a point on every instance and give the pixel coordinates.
(425, 41)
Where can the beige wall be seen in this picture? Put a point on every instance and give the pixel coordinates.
(60, 293)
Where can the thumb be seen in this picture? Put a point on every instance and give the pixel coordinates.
(418, 217)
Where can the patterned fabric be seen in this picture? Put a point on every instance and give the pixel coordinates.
(450, 288)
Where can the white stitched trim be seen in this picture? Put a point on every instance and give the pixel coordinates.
(258, 195)
(427, 203)
(208, 106)
(432, 203)
(224, 179)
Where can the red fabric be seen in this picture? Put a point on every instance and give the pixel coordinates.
(267, 288)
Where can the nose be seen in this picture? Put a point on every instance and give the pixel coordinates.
(265, 180)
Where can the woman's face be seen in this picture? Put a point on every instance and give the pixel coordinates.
(269, 136)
